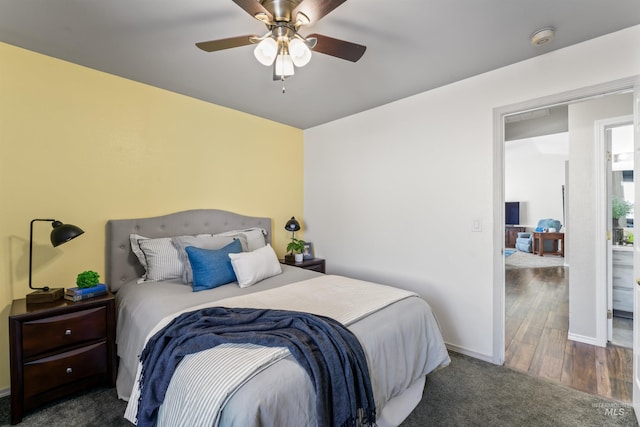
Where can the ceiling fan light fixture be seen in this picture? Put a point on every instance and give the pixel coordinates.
(284, 65)
(300, 52)
(266, 51)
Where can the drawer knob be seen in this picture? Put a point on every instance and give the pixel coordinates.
(67, 332)
(69, 370)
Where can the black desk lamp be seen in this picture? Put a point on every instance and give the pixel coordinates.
(60, 234)
(292, 225)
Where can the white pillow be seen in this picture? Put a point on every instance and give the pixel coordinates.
(254, 238)
(252, 267)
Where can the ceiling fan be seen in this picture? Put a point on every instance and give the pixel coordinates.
(282, 45)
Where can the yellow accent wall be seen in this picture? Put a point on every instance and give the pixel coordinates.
(83, 146)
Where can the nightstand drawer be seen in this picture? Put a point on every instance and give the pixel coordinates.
(64, 368)
(54, 332)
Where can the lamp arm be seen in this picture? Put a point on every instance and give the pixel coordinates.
(46, 288)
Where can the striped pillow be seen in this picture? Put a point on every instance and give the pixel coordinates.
(162, 260)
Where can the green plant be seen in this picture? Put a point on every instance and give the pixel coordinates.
(87, 279)
(620, 208)
(296, 246)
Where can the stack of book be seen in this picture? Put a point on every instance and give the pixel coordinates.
(79, 294)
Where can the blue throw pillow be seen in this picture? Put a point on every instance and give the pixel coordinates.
(212, 268)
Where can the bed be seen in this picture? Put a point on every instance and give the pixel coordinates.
(399, 335)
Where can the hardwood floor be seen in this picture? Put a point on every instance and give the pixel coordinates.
(537, 323)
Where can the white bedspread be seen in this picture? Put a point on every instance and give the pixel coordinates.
(343, 299)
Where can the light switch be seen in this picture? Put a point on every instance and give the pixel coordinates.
(476, 225)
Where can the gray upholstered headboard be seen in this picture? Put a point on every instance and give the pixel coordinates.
(122, 265)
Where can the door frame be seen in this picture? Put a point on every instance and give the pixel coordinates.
(636, 257)
(499, 113)
(603, 230)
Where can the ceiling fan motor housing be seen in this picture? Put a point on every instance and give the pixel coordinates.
(281, 9)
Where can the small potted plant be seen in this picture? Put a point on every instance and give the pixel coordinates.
(296, 247)
(619, 209)
(87, 279)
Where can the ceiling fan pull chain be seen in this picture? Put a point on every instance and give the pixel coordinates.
(282, 78)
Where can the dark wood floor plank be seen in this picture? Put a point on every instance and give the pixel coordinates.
(568, 368)
(602, 372)
(518, 356)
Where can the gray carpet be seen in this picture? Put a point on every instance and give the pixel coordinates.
(526, 260)
(469, 392)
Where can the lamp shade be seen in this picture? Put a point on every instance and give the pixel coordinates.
(266, 51)
(62, 233)
(292, 225)
(284, 65)
(300, 52)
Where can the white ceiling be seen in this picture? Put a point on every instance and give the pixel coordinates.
(412, 46)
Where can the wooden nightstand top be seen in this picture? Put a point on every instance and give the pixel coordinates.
(20, 308)
(316, 264)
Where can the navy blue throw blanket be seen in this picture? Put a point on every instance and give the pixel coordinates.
(326, 349)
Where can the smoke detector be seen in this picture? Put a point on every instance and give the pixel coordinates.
(543, 36)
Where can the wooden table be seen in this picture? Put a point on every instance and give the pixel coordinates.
(558, 240)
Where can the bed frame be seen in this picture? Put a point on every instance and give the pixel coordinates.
(121, 264)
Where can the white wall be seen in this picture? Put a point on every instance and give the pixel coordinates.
(534, 170)
(582, 219)
(391, 193)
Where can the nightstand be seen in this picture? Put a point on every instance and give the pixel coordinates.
(315, 264)
(59, 348)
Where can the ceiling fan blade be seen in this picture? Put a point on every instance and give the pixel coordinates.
(338, 48)
(221, 44)
(255, 9)
(316, 9)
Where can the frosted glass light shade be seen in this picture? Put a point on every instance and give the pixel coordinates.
(300, 52)
(266, 51)
(284, 65)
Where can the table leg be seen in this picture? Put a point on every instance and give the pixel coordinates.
(540, 245)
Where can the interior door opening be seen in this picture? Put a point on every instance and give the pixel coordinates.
(578, 162)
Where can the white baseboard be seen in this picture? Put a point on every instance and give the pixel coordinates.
(5, 392)
(470, 353)
(583, 339)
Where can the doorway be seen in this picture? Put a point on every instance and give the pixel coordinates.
(580, 244)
